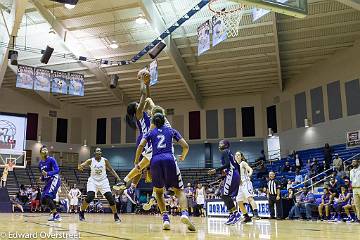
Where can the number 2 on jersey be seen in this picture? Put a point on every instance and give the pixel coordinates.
(161, 144)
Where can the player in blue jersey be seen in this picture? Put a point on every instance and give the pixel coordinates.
(326, 202)
(50, 175)
(231, 182)
(139, 117)
(163, 167)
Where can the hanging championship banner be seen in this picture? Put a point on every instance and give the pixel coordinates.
(218, 31)
(353, 139)
(154, 73)
(203, 37)
(42, 79)
(59, 82)
(25, 77)
(76, 84)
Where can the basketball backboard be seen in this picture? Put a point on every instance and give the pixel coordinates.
(18, 158)
(295, 8)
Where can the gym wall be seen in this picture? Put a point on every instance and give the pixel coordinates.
(328, 94)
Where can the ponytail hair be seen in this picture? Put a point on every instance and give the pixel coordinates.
(158, 120)
(130, 116)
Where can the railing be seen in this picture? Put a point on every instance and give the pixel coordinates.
(76, 176)
(16, 180)
(29, 176)
(326, 176)
(34, 180)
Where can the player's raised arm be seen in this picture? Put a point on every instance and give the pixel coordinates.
(149, 104)
(111, 170)
(84, 164)
(147, 85)
(141, 106)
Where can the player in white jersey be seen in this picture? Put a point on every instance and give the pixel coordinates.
(246, 191)
(98, 181)
(74, 195)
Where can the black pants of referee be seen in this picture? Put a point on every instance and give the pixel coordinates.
(272, 202)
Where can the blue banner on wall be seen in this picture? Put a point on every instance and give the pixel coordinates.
(218, 30)
(59, 82)
(203, 37)
(154, 73)
(25, 77)
(76, 84)
(42, 80)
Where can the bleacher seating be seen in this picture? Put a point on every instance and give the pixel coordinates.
(70, 176)
(305, 155)
(11, 184)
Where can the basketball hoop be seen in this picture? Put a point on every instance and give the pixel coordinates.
(230, 14)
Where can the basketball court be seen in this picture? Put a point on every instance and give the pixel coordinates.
(273, 75)
(102, 226)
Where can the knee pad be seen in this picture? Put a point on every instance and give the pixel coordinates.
(109, 197)
(90, 197)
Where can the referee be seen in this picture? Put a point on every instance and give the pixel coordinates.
(355, 181)
(274, 196)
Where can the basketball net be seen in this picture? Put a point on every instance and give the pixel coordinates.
(10, 166)
(230, 14)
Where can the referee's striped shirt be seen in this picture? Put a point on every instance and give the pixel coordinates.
(272, 186)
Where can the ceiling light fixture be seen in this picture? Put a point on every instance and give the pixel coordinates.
(114, 44)
(69, 6)
(141, 20)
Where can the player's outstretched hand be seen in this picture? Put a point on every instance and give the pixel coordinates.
(212, 171)
(181, 158)
(44, 173)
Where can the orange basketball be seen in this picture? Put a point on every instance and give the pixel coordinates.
(146, 78)
(144, 75)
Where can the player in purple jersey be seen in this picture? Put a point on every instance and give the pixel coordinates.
(340, 202)
(138, 117)
(349, 205)
(231, 182)
(163, 167)
(50, 175)
(326, 202)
